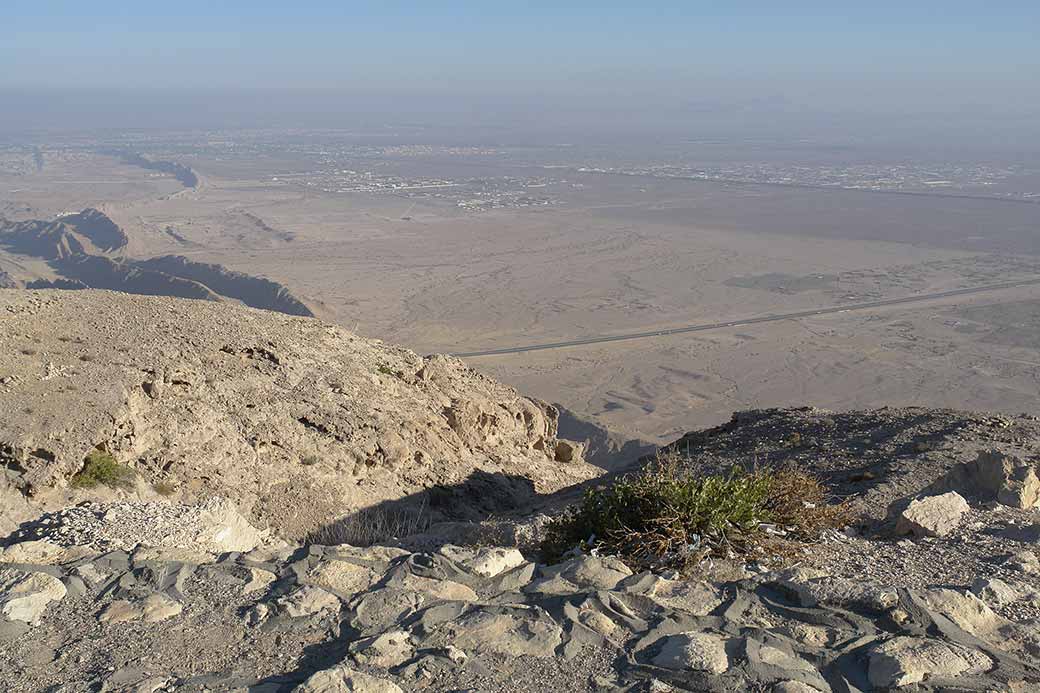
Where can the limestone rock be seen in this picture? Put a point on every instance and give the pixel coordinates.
(905, 660)
(344, 577)
(43, 552)
(119, 611)
(307, 601)
(25, 596)
(591, 571)
(489, 562)
(994, 475)
(386, 650)
(1025, 562)
(226, 401)
(224, 529)
(258, 579)
(994, 592)
(794, 687)
(512, 632)
(696, 651)
(934, 516)
(344, 679)
(159, 607)
(964, 609)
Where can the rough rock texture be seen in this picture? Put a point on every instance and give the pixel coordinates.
(994, 475)
(296, 421)
(213, 527)
(934, 516)
(209, 627)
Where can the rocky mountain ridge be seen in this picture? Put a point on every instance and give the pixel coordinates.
(297, 421)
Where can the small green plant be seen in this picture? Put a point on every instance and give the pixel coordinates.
(101, 467)
(387, 370)
(667, 516)
(164, 488)
(309, 460)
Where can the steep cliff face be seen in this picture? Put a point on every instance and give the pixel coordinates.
(297, 421)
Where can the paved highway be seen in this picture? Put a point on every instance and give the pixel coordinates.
(917, 298)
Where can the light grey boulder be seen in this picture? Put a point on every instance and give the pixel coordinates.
(905, 660)
(307, 601)
(694, 651)
(934, 516)
(512, 631)
(995, 475)
(25, 596)
(994, 592)
(493, 561)
(345, 679)
(590, 572)
(965, 609)
(386, 650)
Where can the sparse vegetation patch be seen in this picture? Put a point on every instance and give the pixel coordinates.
(101, 468)
(669, 516)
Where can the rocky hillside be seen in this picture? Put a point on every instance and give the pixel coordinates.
(201, 497)
(86, 250)
(298, 422)
(934, 588)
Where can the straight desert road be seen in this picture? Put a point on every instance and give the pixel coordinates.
(916, 298)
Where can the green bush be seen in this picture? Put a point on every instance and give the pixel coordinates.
(101, 467)
(667, 516)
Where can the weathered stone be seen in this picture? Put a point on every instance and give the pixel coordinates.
(436, 589)
(343, 576)
(567, 451)
(993, 591)
(904, 660)
(382, 608)
(934, 516)
(513, 632)
(994, 475)
(386, 650)
(307, 601)
(1025, 562)
(25, 596)
(43, 552)
(172, 554)
(224, 529)
(120, 611)
(794, 687)
(259, 579)
(159, 607)
(591, 571)
(490, 562)
(964, 609)
(344, 679)
(598, 622)
(696, 651)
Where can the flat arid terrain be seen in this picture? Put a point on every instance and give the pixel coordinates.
(469, 249)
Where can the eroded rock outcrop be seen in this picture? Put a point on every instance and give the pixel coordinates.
(297, 422)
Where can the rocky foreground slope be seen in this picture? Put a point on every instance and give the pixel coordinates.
(246, 431)
(298, 422)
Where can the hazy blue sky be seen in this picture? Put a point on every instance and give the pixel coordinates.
(914, 56)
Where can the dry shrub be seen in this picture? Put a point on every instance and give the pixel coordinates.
(669, 516)
(374, 525)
